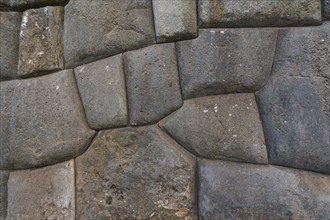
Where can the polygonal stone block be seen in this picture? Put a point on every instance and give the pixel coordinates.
(135, 173)
(26, 4)
(3, 193)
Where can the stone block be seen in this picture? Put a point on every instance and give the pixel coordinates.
(229, 190)
(22, 5)
(10, 23)
(102, 89)
(175, 20)
(223, 127)
(3, 193)
(152, 79)
(45, 193)
(226, 61)
(42, 121)
(258, 13)
(41, 48)
(326, 9)
(98, 29)
(135, 173)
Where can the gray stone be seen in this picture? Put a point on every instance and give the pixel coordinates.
(226, 61)
(26, 4)
(224, 127)
(326, 9)
(45, 193)
(98, 29)
(42, 121)
(41, 48)
(102, 89)
(135, 173)
(229, 190)
(175, 20)
(10, 23)
(3, 194)
(152, 83)
(258, 13)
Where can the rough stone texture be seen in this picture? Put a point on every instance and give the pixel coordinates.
(226, 61)
(10, 23)
(254, 13)
(41, 46)
(246, 191)
(326, 9)
(3, 194)
(135, 173)
(175, 20)
(98, 29)
(45, 193)
(26, 4)
(220, 127)
(295, 105)
(42, 121)
(102, 89)
(152, 83)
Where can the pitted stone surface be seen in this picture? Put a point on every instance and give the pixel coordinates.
(220, 127)
(175, 20)
(42, 121)
(3, 193)
(98, 29)
(26, 4)
(102, 89)
(254, 13)
(231, 190)
(326, 9)
(152, 83)
(10, 23)
(135, 173)
(41, 46)
(45, 193)
(226, 61)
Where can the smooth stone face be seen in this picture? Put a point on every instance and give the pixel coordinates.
(226, 61)
(45, 193)
(175, 20)
(3, 193)
(42, 121)
(152, 83)
(258, 13)
(231, 190)
(135, 173)
(41, 48)
(26, 4)
(97, 29)
(102, 89)
(326, 9)
(224, 127)
(10, 23)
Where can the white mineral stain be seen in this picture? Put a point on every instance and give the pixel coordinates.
(212, 32)
(57, 87)
(107, 68)
(81, 69)
(230, 115)
(25, 19)
(234, 135)
(222, 32)
(205, 110)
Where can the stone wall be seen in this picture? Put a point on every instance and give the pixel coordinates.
(164, 109)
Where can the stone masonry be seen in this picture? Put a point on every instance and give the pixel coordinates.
(164, 109)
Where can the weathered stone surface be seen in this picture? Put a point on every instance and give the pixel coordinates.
(254, 13)
(102, 89)
(45, 193)
(41, 46)
(152, 83)
(175, 20)
(26, 4)
(226, 61)
(135, 173)
(3, 194)
(220, 127)
(10, 23)
(326, 9)
(98, 29)
(229, 190)
(42, 121)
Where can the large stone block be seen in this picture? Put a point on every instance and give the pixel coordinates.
(41, 48)
(98, 29)
(326, 9)
(229, 190)
(226, 61)
(26, 4)
(224, 127)
(3, 194)
(152, 79)
(135, 173)
(175, 20)
(258, 13)
(42, 121)
(45, 193)
(102, 89)
(10, 23)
